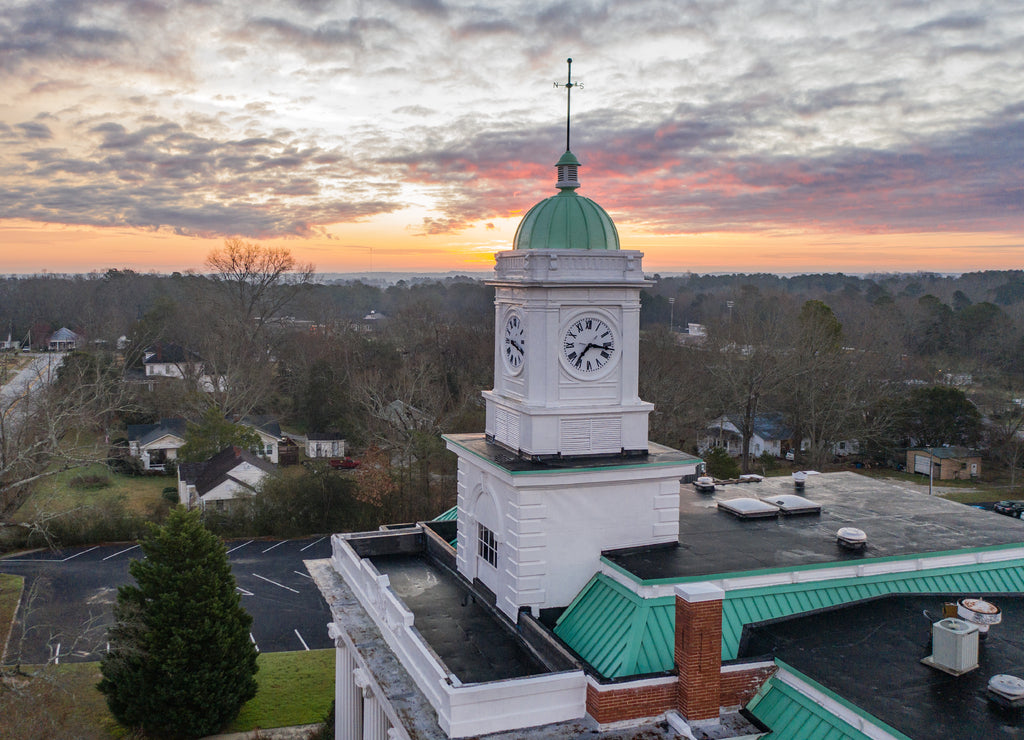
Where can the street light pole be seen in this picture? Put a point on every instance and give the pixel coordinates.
(671, 314)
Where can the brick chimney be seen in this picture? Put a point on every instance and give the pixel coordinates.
(699, 649)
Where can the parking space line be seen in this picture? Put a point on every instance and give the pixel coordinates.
(281, 585)
(301, 640)
(304, 575)
(273, 546)
(71, 557)
(254, 642)
(244, 592)
(120, 553)
(239, 547)
(311, 544)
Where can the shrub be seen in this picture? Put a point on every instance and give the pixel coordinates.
(767, 461)
(720, 463)
(89, 482)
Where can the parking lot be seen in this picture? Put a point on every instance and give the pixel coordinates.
(67, 603)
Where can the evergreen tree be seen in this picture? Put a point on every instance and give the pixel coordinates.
(180, 663)
(213, 434)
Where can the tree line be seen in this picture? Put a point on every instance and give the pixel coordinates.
(887, 360)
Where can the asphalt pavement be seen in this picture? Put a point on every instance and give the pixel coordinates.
(67, 603)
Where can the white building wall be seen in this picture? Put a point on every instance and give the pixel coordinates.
(553, 526)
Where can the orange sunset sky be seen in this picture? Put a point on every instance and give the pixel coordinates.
(411, 135)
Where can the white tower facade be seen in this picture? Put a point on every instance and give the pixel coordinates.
(564, 469)
(566, 362)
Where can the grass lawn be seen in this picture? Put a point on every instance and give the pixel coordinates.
(964, 491)
(294, 689)
(65, 492)
(10, 596)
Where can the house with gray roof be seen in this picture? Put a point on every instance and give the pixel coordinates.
(231, 474)
(771, 434)
(63, 340)
(155, 445)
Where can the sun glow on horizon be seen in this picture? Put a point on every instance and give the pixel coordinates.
(373, 246)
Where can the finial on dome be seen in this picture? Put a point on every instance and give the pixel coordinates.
(569, 85)
(568, 165)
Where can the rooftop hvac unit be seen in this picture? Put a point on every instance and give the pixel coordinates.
(954, 646)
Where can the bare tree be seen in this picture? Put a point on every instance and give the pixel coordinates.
(745, 358)
(255, 283)
(56, 416)
(230, 319)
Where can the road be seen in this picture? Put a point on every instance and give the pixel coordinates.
(67, 603)
(41, 370)
(16, 395)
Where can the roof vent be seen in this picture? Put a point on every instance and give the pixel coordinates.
(791, 504)
(954, 646)
(1006, 691)
(851, 538)
(980, 612)
(748, 508)
(800, 478)
(705, 484)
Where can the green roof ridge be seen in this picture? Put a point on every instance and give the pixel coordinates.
(608, 626)
(801, 711)
(648, 626)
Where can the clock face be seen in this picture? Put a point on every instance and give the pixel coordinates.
(514, 343)
(588, 345)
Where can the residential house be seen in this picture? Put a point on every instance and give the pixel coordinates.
(166, 360)
(771, 434)
(271, 438)
(945, 463)
(325, 444)
(231, 474)
(155, 445)
(63, 340)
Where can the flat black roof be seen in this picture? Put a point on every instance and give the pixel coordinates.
(899, 522)
(464, 635)
(869, 654)
(478, 445)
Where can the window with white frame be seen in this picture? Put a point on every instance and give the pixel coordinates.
(487, 545)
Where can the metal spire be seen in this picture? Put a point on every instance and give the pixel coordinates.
(569, 85)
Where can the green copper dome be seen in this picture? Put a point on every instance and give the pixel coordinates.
(566, 220)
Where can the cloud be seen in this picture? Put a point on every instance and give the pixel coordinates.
(163, 177)
(83, 32)
(35, 130)
(267, 118)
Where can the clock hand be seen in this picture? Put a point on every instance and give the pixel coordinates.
(513, 343)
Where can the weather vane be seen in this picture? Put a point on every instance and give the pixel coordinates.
(569, 85)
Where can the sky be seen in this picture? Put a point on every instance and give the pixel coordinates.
(412, 135)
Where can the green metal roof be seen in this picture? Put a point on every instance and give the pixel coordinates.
(567, 159)
(566, 221)
(758, 604)
(621, 634)
(618, 632)
(790, 714)
(451, 515)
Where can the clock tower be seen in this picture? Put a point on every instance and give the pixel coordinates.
(564, 469)
(567, 311)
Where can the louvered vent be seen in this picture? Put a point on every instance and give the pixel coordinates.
(506, 427)
(587, 436)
